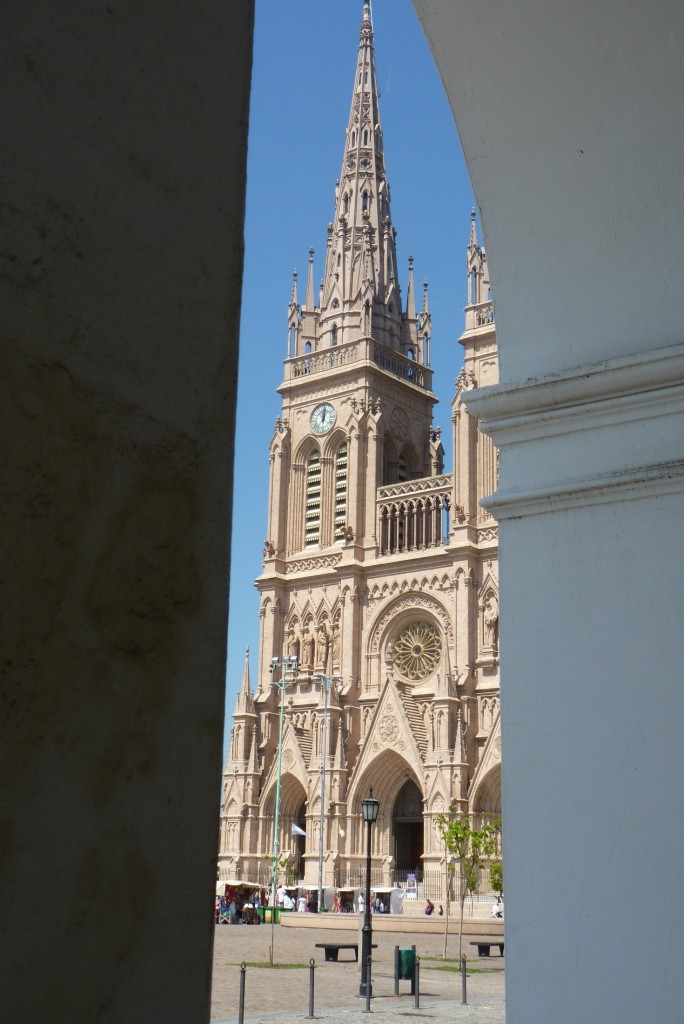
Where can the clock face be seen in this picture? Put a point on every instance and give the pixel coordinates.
(323, 418)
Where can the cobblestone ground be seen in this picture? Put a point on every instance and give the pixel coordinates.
(282, 994)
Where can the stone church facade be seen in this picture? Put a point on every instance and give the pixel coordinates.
(380, 570)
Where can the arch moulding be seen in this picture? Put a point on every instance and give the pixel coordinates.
(405, 607)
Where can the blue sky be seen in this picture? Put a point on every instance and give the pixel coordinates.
(304, 62)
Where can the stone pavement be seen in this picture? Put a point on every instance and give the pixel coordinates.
(282, 996)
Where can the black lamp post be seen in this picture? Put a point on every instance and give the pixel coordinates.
(370, 814)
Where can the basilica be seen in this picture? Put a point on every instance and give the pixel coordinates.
(379, 590)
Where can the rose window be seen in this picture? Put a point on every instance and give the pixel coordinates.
(417, 650)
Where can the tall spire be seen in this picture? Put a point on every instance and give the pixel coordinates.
(361, 262)
(425, 325)
(309, 283)
(472, 244)
(245, 702)
(359, 296)
(476, 263)
(410, 293)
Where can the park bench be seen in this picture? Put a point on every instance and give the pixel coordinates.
(484, 945)
(333, 948)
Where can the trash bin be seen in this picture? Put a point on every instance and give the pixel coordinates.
(272, 915)
(404, 968)
(407, 964)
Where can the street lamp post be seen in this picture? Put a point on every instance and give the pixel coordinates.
(370, 808)
(288, 663)
(325, 682)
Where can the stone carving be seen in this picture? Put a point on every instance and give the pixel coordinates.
(466, 380)
(484, 316)
(425, 485)
(399, 422)
(491, 620)
(336, 645)
(388, 729)
(412, 601)
(308, 657)
(269, 549)
(293, 645)
(288, 758)
(322, 644)
(417, 650)
(304, 564)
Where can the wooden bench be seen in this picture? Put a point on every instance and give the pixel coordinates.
(484, 945)
(333, 948)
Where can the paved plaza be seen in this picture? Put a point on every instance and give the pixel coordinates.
(282, 995)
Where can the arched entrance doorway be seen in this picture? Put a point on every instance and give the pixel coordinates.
(407, 828)
(292, 828)
(298, 841)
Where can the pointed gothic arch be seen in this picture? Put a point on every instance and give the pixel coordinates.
(408, 830)
(293, 809)
(486, 800)
(387, 773)
(409, 463)
(390, 459)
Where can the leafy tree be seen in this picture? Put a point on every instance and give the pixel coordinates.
(285, 870)
(468, 847)
(496, 876)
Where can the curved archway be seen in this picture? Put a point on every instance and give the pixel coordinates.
(486, 801)
(293, 807)
(407, 828)
(389, 774)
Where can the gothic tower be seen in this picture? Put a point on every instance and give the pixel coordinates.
(380, 571)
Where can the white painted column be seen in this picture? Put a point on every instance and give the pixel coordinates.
(590, 506)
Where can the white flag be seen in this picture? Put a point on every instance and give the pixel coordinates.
(295, 830)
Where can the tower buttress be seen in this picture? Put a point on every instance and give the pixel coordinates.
(475, 465)
(293, 315)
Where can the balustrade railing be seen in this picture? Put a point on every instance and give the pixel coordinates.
(414, 515)
(356, 351)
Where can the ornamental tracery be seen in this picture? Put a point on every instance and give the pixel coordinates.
(413, 601)
(417, 649)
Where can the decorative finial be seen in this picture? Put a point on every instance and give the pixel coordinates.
(472, 213)
(311, 254)
(411, 262)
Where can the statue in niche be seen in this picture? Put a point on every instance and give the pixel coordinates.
(336, 645)
(491, 620)
(308, 658)
(322, 645)
(293, 644)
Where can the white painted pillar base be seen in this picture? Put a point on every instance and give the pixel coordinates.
(590, 506)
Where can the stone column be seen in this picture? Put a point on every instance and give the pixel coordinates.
(122, 246)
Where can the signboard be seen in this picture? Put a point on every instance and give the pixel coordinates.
(411, 887)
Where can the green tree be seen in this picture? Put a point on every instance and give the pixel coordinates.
(496, 876)
(468, 847)
(285, 870)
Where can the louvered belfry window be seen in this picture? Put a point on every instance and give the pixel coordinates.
(312, 528)
(340, 491)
